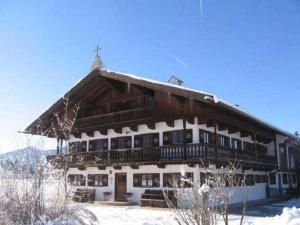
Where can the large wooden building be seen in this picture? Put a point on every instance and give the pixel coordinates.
(133, 134)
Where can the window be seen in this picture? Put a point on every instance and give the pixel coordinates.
(206, 137)
(176, 137)
(236, 144)
(76, 180)
(260, 179)
(79, 146)
(121, 142)
(272, 179)
(223, 141)
(146, 141)
(146, 180)
(99, 144)
(284, 178)
(250, 180)
(175, 180)
(98, 180)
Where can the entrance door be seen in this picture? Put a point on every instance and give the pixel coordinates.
(120, 187)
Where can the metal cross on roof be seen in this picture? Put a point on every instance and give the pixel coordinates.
(97, 50)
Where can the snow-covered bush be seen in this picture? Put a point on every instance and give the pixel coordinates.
(206, 201)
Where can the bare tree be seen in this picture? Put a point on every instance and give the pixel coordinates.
(206, 202)
(63, 125)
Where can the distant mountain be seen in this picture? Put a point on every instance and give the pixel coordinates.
(27, 157)
(29, 152)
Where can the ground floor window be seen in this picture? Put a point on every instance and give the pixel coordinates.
(146, 180)
(98, 180)
(176, 180)
(250, 180)
(261, 179)
(76, 180)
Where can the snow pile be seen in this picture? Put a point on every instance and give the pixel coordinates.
(289, 216)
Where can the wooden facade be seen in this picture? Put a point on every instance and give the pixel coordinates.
(111, 101)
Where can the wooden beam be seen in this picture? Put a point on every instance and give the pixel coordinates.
(222, 126)
(232, 130)
(170, 123)
(134, 127)
(134, 166)
(118, 130)
(244, 134)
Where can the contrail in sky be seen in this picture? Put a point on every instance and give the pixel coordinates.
(201, 9)
(180, 61)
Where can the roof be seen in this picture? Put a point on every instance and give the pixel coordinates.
(172, 88)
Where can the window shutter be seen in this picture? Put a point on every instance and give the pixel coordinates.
(166, 138)
(155, 180)
(137, 141)
(155, 139)
(167, 180)
(72, 147)
(105, 180)
(113, 143)
(190, 177)
(202, 178)
(71, 179)
(136, 180)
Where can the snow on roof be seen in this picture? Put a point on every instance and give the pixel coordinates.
(215, 99)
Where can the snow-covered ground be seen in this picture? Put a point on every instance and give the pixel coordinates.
(134, 215)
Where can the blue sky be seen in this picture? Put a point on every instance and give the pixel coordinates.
(247, 52)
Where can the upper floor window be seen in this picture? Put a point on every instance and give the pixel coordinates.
(146, 141)
(121, 142)
(79, 146)
(99, 144)
(206, 137)
(177, 137)
(223, 141)
(236, 144)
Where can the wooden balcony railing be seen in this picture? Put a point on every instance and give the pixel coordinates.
(180, 153)
(117, 117)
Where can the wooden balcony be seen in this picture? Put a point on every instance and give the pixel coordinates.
(190, 153)
(116, 118)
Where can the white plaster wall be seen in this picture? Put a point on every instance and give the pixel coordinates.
(162, 127)
(255, 192)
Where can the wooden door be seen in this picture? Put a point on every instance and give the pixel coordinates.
(120, 187)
